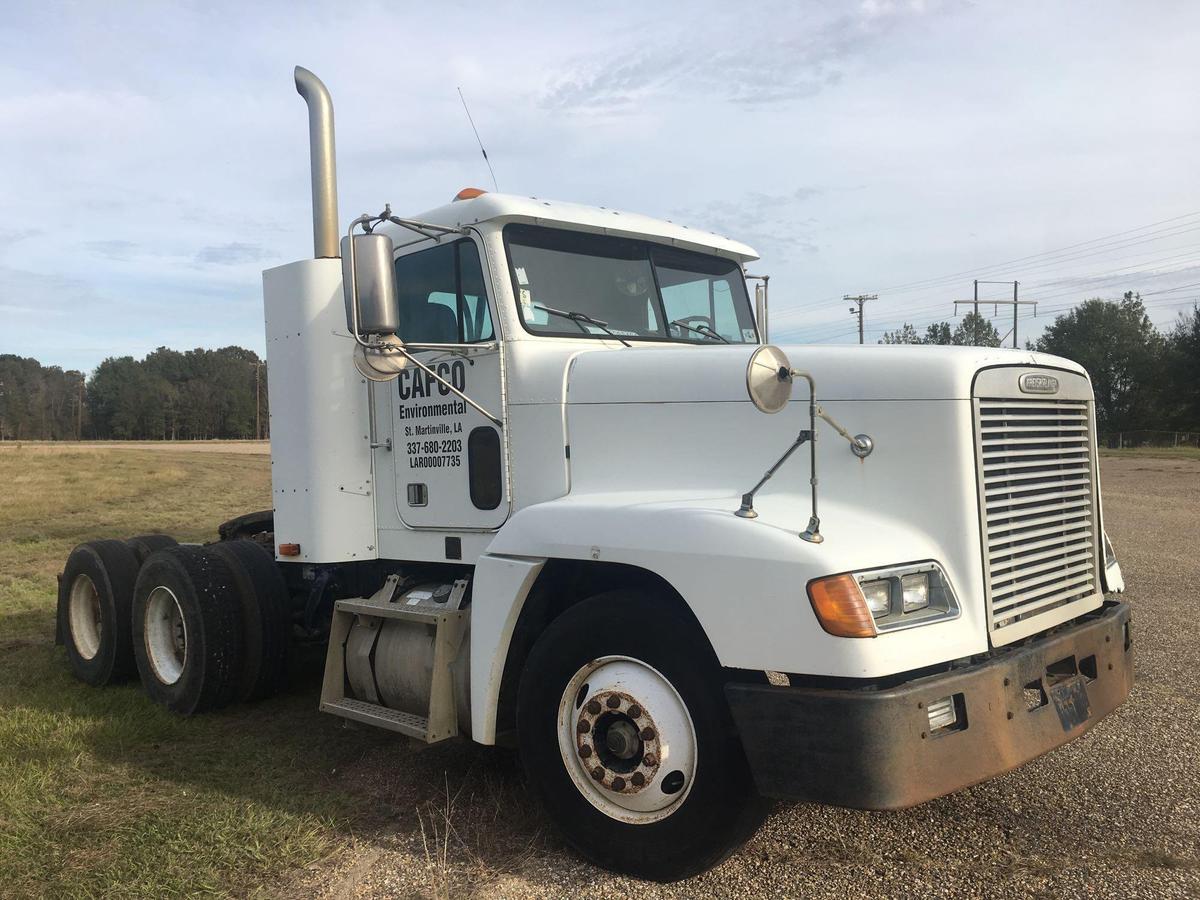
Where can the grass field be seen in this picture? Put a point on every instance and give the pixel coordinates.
(101, 792)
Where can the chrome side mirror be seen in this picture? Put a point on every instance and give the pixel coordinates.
(372, 305)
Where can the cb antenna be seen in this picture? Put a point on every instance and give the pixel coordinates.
(478, 139)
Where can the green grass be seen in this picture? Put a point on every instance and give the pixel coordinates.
(105, 794)
(1154, 453)
(102, 793)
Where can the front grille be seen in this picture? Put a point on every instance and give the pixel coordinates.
(1037, 483)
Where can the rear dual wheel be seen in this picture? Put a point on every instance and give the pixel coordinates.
(627, 740)
(262, 598)
(210, 626)
(187, 630)
(94, 595)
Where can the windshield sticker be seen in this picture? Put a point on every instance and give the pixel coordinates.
(748, 334)
(527, 305)
(522, 278)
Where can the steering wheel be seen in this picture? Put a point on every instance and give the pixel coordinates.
(706, 321)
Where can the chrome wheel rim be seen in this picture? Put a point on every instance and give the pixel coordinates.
(627, 739)
(166, 635)
(84, 617)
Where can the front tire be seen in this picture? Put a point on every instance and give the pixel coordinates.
(627, 740)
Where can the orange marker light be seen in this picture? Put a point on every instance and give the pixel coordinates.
(289, 549)
(469, 193)
(840, 606)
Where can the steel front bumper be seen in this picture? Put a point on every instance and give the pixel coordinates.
(873, 749)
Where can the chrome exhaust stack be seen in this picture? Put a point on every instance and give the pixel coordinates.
(324, 165)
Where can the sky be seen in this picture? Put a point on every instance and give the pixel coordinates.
(154, 156)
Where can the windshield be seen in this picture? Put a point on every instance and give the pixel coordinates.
(634, 289)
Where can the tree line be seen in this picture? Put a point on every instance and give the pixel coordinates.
(169, 395)
(1143, 378)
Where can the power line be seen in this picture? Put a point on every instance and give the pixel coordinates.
(1038, 256)
(1058, 256)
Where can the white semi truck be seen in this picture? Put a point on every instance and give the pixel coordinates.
(518, 451)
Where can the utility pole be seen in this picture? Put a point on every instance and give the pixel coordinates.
(1015, 302)
(857, 309)
(257, 401)
(79, 412)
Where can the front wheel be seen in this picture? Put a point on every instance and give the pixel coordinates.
(626, 738)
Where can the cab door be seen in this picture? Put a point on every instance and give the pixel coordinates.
(450, 459)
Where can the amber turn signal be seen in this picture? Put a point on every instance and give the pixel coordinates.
(840, 606)
(289, 549)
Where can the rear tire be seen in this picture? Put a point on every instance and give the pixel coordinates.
(263, 600)
(187, 629)
(95, 593)
(672, 795)
(145, 544)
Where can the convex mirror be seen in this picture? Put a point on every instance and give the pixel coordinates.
(768, 378)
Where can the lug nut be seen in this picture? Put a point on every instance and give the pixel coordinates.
(618, 783)
(598, 773)
(635, 712)
(648, 734)
(594, 707)
(584, 726)
(613, 702)
(638, 779)
(585, 750)
(650, 759)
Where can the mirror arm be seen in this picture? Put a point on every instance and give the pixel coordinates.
(812, 533)
(429, 230)
(363, 220)
(440, 380)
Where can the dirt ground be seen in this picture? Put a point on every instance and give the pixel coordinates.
(1116, 813)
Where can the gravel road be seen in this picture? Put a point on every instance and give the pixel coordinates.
(1115, 814)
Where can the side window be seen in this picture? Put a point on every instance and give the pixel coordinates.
(442, 296)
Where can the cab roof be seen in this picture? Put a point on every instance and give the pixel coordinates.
(495, 207)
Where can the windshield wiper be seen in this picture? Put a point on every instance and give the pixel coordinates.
(702, 329)
(579, 318)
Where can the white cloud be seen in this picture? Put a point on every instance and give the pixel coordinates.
(155, 158)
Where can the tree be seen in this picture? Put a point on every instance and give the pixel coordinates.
(976, 331)
(1122, 351)
(38, 402)
(938, 333)
(1181, 361)
(905, 335)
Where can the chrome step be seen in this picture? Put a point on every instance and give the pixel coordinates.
(379, 716)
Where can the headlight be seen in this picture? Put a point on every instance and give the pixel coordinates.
(914, 591)
(878, 595)
(864, 604)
